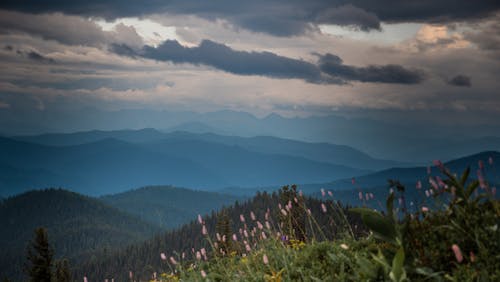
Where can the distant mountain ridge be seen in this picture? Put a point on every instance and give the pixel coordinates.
(110, 165)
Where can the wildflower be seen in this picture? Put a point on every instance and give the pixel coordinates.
(183, 255)
(428, 170)
(85, 279)
(245, 233)
(493, 191)
(344, 246)
(198, 255)
(283, 212)
(264, 235)
(425, 209)
(367, 196)
(458, 253)
(309, 211)
(173, 261)
(223, 238)
(419, 185)
(400, 201)
(480, 177)
(353, 181)
(301, 194)
(265, 259)
(217, 235)
(203, 252)
(200, 220)
(490, 160)
(268, 225)
(163, 256)
(433, 184)
(203, 273)
(248, 248)
(235, 238)
(204, 230)
(323, 192)
(252, 216)
(323, 207)
(330, 193)
(295, 200)
(130, 275)
(242, 218)
(360, 195)
(259, 225)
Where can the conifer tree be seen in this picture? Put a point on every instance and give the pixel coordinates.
(40, 254)
(62, 272)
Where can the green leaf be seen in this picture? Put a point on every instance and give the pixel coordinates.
(382, 227)
(398, 272)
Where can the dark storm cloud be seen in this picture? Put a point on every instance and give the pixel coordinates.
(460, 80)
(224, 58)
(333, 65)
(330, 69)
(278, 17)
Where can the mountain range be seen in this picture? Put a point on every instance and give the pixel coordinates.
(106, 162)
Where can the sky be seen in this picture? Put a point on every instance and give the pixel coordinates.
(435, 62)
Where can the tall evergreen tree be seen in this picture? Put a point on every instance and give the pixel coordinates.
(40, 254)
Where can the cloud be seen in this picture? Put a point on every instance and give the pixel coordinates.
(224, 58)
(281, 18)
(71, 30)
(329, 70)
(40, 58)
(460, 80)
(333, 65)
(349, 15)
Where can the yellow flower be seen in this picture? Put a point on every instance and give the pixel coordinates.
(275, 276)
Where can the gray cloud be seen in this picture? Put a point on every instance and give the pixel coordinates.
(38, 57)
(329, 70)
(278, 17)
(460, 80)
(72, 30)
(224, 58)
(333, 65)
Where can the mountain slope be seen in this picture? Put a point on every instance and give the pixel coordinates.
(168, 206)
(77, 225)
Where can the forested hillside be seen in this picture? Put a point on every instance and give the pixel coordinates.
(77, 226)
(168, 206)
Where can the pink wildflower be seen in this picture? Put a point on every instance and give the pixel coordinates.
(344, 246)
(252, 216)
(419, 185)
(217, 235)
(480, 164)
(425, 209)
(490, 160)
(204, 230)
(173, 261)
(283, 212)
(472, 256)
(85, 279)
(163, 256)
(242, 218)
(360, 195)
(235, 237)
(457, 252)
(265, 259)
(245, 233)
(323, 207)
(433, 184)
(367, 196)
(200, 220)
(323, 192)
(353, 181)
(130, 275)
(428, 170)
(198, 255)
(268, 225)
(248, 248)
(330, 193)
(203, 273)
(264, 235)
(309, 211)
(259, 225)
